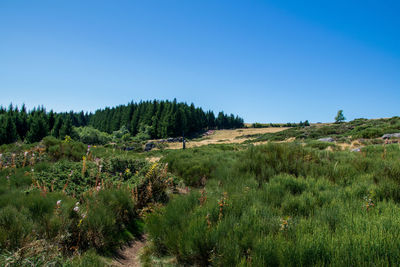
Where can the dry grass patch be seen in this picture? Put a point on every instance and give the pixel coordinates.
(227, 137)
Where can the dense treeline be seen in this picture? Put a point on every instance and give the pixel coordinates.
(19, 124)
(158, 119)
(161, 119)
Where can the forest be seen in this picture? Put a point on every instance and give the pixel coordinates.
(158, 119)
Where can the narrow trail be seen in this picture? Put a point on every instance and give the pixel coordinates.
(129, 256)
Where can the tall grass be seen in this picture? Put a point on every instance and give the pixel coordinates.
(285, 205)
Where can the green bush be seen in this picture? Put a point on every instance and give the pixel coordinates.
(69, 149)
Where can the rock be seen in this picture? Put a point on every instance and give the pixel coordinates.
(393, 135)
(149, 146)
(358, 149)
(327, 139)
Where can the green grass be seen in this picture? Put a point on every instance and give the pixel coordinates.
(343, 132)
(285, 205)
(67, 207)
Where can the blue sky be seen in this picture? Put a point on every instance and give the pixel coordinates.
(267, 61)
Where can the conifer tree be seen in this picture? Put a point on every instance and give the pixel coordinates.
(66, 128)
(38, 128)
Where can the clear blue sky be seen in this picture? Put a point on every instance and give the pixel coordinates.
(267, 61)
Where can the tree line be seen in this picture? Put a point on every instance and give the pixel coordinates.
(162, 119)
(159, 119)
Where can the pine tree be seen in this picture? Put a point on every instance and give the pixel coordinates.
(10, 134)
(57, 126)
(38, 128)
(66, 128)
(339, 117)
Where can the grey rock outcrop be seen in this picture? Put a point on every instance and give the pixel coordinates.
(327, 139)
(149, 146)
(393, 135)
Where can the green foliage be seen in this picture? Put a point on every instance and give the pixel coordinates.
(197, 165)
(68, 148)
(38, 128)
(161, 119)
(320, 145)
(345, 132)
(340, 117)
(145, 120)
(92, 136)
(143, 133)
(284, 205)
(49, 210)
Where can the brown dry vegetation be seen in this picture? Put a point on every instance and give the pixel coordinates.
(226, 137)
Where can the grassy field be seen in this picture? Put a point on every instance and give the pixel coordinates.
(227, 137)
(280, 205)
(290, 200)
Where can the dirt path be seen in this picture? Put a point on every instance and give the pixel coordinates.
(129, 256)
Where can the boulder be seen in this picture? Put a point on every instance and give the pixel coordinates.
(149, 146)
(327, 139)
(393, 135)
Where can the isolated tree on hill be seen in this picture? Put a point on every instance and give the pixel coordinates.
(339, 117)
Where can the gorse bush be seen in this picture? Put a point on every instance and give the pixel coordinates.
(50, 212)
(285, 205)
(197, 165)
(68, 148)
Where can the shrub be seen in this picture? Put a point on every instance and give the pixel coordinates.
(69, 149)
(92, 136)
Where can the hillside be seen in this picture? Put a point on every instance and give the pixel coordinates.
(291, 200)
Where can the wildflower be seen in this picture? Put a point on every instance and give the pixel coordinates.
(77, 203)
(58, 202)
(369, 203)
(76, 208)
(8, 177)
(285, 223)
(222, 203)
(127, 171)
(83, 215)
(26, 153)
(208, 220)
(203, 197)
(98, 188)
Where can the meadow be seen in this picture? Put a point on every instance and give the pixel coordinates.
(63, 203)
(248, 201)
(281, 205)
